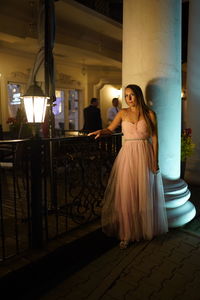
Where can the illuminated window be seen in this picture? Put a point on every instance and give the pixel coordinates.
(58, 109)
(14, 100)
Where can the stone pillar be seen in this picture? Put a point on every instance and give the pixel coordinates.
(152, 59)
(193, 90)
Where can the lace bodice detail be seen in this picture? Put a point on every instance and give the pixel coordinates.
(137, 130)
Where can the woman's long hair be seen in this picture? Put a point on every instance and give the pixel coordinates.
(143, 108)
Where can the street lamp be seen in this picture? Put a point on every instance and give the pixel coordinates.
(35, 104)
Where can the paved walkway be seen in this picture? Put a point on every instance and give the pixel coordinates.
(166, 268)
(93, 267)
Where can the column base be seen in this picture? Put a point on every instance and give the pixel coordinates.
(180, 211)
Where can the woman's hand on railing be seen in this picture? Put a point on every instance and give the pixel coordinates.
(97, 133)
(101, 132)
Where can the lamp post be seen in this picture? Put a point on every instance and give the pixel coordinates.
(35, 100)
(35, 107)
(35, 104)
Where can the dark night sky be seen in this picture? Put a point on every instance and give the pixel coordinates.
(185, 11)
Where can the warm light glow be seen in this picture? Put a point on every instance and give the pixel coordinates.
(118, 93)
(35, 108)
(35, 104)
(183, 93)
(58, 94)
(112, 92)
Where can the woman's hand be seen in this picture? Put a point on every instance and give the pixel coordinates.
(155, 167)
(97, 133)
(100, 132)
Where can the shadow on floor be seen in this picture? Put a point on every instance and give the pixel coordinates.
(34, 280)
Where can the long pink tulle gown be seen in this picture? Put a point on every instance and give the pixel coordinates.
(134, 204)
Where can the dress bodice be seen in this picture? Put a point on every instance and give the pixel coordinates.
(137, 130)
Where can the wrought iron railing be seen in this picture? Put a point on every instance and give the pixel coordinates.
(14, 198)
(49, 187)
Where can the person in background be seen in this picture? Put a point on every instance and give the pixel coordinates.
(134, 203)
(111, 114)
(112, 111)
(92, 116)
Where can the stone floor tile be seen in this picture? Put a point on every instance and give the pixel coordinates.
(167, 247)
(191, 289)
(177, 281)
(167, 268)
(171, 287)
(147, 266)
(143, 291)
(186, 248)
(165, 294)
(194, 260)
(133, 276)
(107, 297)
(192, 285)
(187, 270)
(157, 278)
(76, 295)
(112, 257)
(178, 257)
(120, 289)
(191, 240)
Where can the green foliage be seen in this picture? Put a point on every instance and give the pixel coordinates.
(187, 147)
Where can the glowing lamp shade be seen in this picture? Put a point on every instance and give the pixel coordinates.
(35, 104)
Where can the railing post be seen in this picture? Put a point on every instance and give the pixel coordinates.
(36, 193)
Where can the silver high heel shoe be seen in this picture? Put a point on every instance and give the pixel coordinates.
(123, 245)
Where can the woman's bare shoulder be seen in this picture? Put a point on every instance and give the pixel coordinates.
(123, 113)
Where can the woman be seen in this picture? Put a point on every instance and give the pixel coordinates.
(134, 205)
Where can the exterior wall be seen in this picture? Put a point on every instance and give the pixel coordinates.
(17, 68)
(193, 90)
(13, 69)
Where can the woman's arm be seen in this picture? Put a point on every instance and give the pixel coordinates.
(116, 121)
(109, 130)
(155, 166)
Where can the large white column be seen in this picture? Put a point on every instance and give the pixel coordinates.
(152, 59)
(193, 89)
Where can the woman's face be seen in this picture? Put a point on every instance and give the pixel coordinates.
(130, 98)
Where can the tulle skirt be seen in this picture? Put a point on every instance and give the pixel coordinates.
(134, 204)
